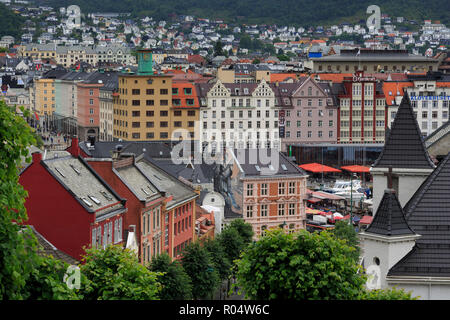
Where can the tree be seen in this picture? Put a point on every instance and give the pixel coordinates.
(46, 281)
(115, 273)
(387, 294)
(219, 258)
(18, 245)
(232, 243)
(345, 231)
(218, 51)
(256, 61)
(299, 266)
(244, 229)
(199, 266)
(176, 284)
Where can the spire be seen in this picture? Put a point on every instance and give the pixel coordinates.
(389, 219)
(404, 147)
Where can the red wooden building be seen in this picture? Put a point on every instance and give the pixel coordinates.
(69, 204)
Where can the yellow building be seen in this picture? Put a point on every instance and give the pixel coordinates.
(142, 110)
(43, 99)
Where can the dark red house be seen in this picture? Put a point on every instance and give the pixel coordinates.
(70, 205)
(145, 203)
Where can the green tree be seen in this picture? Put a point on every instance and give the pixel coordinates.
(218, 51)
(46, 281)
(176, 284)
(18, 245)
(199, 265)
(387, 294)
(219, 258)
(299, 266)
(232, 243)
(245, 42)
(345, 231)
(115, 273)
(256, 61)
(244, 229)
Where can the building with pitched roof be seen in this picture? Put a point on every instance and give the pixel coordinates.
(419, 261)
(405, 152)
(263, 187)
(76, 209)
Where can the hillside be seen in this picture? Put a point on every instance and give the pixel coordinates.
(10, 23)
(293, 12)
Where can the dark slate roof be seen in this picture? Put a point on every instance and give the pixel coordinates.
(104, 149)
(267, 162)
(389, 219)
(404, 147)
(196, 173)
(428, 214)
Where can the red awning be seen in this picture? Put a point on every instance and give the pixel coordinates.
(366, 220)
(314, 200)
(317, 168)
(356, 168)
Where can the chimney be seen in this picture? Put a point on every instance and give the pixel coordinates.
(37, 157)
(74, 148)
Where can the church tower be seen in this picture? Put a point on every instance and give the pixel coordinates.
(387, 240)
(405, 152)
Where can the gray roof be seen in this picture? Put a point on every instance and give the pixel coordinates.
(255, 162)
(428, 214)
(389, 219)
(166, 183)
(84, 184)
(375, 55)
(104, 149)
(404, 147)
(197, 173)
(138, 183)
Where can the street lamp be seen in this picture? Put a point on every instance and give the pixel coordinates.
(351, 198)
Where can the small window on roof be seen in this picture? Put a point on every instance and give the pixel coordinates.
(257, 168)
(106, 195)
(283, 167)
(143, 190)
(271, 167)
(60, 172)
(75, 169)
(87, 202)
(94, 199)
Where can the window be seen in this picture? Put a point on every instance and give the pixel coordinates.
(135, 113)
(135, 92)
(164, 91)
(291, 209)
(264, 210)
(150, 135)
(249, 211)
(281, 209)
(281, 188)
(136, 102)
(150, 91)
(149, 113)
(264, 189)
(164, 102)
(249, 189)
(163, 113)
(291, 187)
(91, 101)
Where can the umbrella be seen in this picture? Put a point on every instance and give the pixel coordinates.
(338, 216)
(316, 168)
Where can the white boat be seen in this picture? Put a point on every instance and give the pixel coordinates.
(345, 189)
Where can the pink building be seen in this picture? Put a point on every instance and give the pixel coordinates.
(308, 113)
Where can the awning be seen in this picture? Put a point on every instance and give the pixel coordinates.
(312, 211)
(366, 220)
(357, 169)
(317, 168)
(314, 200)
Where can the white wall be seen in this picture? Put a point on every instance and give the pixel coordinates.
(425, 291)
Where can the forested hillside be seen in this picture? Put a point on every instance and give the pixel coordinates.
(295, 12)
(10, 23)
